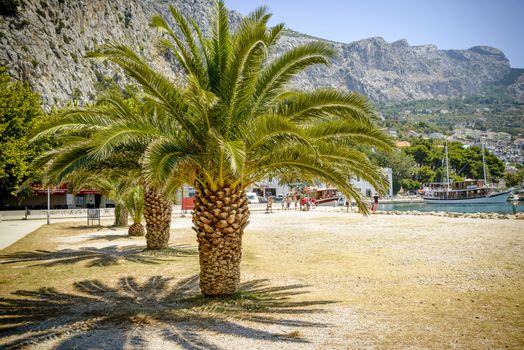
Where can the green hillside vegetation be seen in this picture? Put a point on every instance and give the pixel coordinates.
(423, 162)
(493, 109)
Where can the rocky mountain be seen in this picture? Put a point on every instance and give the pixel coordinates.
(44, 42)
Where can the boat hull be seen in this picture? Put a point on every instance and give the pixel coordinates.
(325, 202)
(500, 197)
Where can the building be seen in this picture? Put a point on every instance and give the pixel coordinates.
(403, 144)
(367, 190)
(60, 197)
(269, 188)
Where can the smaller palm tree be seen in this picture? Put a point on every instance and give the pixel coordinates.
(111, 183)
(134, 203)
(85, 143)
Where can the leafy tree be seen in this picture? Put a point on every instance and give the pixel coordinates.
(425, 174)
(20, 109)
(463, 162)
(420, 151)
(401, 164)
(410, 185)
(515, 179)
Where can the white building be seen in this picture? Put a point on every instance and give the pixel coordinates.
(269, 187)
(367, 190)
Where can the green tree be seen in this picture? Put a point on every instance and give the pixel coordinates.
(86, 145)
(464, 162)
(515, 179)
(401, 164)
(20, 109)
(425, 174)
(410, 185)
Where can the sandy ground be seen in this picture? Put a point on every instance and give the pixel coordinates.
(323, 279)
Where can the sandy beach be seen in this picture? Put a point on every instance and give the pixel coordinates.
(323, 279)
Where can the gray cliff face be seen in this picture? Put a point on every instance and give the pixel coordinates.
(517, 89)
(46, 41)
(396, 71)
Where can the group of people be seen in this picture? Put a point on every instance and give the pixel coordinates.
(373, 206)
(304, 203)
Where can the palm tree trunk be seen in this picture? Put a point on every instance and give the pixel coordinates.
(157, 213)
(219, 219)
(137, 229)
(121, 216)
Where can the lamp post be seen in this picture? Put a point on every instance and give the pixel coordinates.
(48, 203)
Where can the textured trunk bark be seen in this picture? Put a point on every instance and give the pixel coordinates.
(157, 213)
(136, 229)
(219, 220)
(121, 215)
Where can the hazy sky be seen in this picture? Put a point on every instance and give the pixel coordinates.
(458, 24)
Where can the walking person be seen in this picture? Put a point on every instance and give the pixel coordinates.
(269, 207)
(375, 203)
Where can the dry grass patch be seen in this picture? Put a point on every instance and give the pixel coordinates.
(397, 282)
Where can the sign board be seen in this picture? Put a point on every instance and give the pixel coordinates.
(93, 215)
(188, 203)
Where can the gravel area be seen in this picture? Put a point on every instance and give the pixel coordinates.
(323, 279)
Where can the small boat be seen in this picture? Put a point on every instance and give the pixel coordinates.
(463, 192)
(518, 196)
(327, 196)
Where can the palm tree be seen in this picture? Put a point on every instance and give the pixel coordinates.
(134, 202)
(111, 184)
(234, 122)
(86, 146)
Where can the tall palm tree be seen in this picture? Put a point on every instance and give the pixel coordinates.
(86, 145)
(235, 121)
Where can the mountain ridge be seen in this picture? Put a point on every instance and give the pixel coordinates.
(44, 43)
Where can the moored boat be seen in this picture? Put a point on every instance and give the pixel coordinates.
(327, 196)
(463, 192)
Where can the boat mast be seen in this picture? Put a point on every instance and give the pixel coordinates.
(447, 164)
(484, 166)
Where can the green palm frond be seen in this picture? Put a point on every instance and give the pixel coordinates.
(324, 104)
(69, 159)
(219, 49)
(164, 156)
(157, 86)
(270, 132)
(273, 77)
(341, 132)
(186, 51)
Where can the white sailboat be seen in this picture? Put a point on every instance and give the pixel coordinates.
(463, 192)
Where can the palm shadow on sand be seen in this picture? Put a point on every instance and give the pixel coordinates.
(111, 255)
(131, 314)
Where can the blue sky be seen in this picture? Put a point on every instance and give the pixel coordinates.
(458, 24)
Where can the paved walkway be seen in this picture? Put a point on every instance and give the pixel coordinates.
(12, 230)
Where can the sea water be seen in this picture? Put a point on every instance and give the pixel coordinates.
(501, 208)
